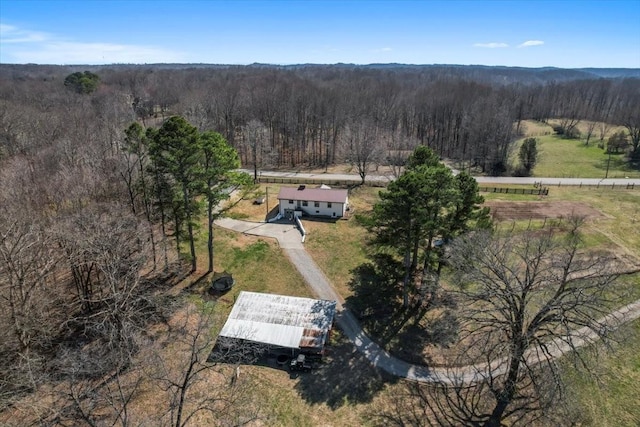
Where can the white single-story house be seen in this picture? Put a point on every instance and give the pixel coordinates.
(321, 201)
(280, 323)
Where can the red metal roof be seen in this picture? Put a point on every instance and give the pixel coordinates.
(313, 194)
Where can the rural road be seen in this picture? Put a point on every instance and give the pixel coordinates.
(615, 182)
(289, 240)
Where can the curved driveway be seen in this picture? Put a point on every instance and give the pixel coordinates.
(289, 240)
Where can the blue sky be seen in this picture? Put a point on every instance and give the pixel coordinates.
(570, 34)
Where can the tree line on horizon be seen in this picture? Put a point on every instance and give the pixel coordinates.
(322, 115)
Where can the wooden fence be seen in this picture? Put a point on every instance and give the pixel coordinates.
(316, 181)
(541, 191)
(538, 189)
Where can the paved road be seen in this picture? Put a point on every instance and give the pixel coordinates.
(290, 240)
(481, 179)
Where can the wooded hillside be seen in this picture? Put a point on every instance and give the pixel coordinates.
(78, 240)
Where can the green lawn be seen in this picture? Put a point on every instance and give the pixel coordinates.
(571, 158)
(610, 397)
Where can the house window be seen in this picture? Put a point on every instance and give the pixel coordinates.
(328, 204)
(305, 203)
(316, 204)
(290, 202)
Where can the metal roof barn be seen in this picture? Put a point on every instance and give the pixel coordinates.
(280, 321)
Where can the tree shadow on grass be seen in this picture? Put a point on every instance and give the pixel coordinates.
(404, 332)
(377, 298)
(344, 377)
(618, 164)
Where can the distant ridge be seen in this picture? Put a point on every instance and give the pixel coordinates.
(502, 75)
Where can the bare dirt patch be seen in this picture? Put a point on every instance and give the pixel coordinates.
(502, 211)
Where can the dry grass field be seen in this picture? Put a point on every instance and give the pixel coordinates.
(337, 246)
(346, 390)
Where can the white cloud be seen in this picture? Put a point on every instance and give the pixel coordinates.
(11, 34)
(529, 43)
(382, 49)
(491, 45)
(24, 46)
(93, 53)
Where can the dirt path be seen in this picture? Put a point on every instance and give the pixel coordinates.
(291, 242)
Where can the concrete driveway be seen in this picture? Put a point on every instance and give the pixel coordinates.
(287, 234)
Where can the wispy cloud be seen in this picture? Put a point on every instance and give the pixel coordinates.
(11, 34)
(382, 49)
(491, 45)
(25, 46)
(529, 43)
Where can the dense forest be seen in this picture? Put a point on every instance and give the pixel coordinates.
(317, 115)
(79, 239)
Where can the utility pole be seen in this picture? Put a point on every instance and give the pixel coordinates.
(267, 202)
(606, 174)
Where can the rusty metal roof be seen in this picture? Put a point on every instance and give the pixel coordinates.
(280, 320)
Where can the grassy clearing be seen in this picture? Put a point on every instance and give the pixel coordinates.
(620, 207)
(323, 397)
(610, 397)
(257, 265)
(249, 210)
(616, 230)
(570, 158)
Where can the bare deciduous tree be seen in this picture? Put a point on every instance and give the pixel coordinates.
(196, 387)
(363, 147)
(523, 296)
(256, 135)
(28, 301)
